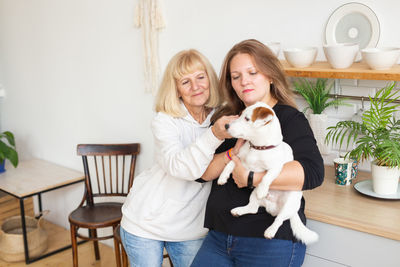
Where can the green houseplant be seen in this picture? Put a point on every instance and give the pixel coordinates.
(376, 137)
(7, 149)
(316, 94)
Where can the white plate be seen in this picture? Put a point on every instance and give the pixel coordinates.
(365, 187)
(353, 23)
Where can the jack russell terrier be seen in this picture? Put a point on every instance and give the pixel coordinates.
(265, 150)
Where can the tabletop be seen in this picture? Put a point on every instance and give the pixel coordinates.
(344, 206)
(36, 176)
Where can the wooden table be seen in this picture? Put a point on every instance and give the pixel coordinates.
(32, 178)
(344, 206)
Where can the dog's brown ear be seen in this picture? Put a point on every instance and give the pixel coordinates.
(261, 113)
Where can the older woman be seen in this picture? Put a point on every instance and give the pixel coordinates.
(166, 205)
(252, 73)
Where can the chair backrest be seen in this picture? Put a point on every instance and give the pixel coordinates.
(109, 169)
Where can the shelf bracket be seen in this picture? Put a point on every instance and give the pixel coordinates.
(337, 91)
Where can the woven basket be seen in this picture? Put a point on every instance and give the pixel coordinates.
(12, 242)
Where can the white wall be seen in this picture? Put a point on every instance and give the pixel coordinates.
(73, 71)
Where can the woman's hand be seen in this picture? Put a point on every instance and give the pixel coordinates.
(238, 145)
(239, 173)
(219, 129)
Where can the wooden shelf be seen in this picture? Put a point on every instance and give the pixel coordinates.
(359, 71)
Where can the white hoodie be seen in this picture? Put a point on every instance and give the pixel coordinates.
(165, 202)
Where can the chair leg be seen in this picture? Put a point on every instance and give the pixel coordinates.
(170, 262)
(74, 245)
(124, 257)
(116, 249)
(93, 233)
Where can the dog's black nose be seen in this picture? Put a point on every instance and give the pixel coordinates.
(227, 126)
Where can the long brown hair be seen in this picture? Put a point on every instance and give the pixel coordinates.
(266, 63)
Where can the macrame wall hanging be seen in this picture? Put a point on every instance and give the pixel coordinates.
(149, 16)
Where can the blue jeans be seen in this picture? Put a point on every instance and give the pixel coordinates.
(222, 250)
(144, 252)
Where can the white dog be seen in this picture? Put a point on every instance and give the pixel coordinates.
(265, 150)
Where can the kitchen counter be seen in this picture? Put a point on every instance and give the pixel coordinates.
(344, 206)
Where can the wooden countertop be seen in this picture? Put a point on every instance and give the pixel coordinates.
(344, 206)
(358, 70)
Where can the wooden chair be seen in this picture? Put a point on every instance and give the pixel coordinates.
(120, 251)
(109, 172)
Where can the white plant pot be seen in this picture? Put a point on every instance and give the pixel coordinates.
(385, 180)
(318, 123)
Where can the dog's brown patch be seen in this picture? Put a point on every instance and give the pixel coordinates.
(261, 113)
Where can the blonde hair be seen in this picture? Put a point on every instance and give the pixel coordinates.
(266, 63)
(183, 63)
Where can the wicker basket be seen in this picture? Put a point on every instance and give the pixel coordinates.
(12, 242)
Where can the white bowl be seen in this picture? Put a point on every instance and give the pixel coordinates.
(341, 56)
(275, 47)
(380, 58)
(300, 57)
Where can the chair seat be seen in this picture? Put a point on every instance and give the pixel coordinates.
(98, 215)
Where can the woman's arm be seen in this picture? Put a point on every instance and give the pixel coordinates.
(306, 171)
(290, 178)
(216, 166)
(219, 161)
(186, 161)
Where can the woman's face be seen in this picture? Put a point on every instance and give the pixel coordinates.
(249, 84)
(194, 89)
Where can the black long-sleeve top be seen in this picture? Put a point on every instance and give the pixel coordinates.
(298, 134)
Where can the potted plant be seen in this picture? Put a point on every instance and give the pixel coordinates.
(376, 137)
(316, 94)
(7, 150)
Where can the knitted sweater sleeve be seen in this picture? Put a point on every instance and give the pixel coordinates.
(298, 134)
(178, 160)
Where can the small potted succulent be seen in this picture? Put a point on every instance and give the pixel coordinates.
(316, 94)
(7, 150)
(376, 137)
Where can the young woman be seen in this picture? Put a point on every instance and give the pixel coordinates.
(251, 73)
(166, 205)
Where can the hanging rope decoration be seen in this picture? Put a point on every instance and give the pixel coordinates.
(149, 16)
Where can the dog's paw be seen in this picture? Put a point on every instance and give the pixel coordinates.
(261, 191)
(269, 233)
(222, 180)
(237, 212)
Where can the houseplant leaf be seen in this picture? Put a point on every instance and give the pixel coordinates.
(316, 94)
(378, 135)
(8, 151)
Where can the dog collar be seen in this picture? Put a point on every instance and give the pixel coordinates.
(261, 147)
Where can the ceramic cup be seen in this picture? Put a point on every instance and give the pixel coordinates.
(345, 171)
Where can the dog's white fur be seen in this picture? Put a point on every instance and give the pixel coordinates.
(259, 125)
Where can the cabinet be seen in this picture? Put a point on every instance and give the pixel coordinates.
(354, 230)
(339, 246)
